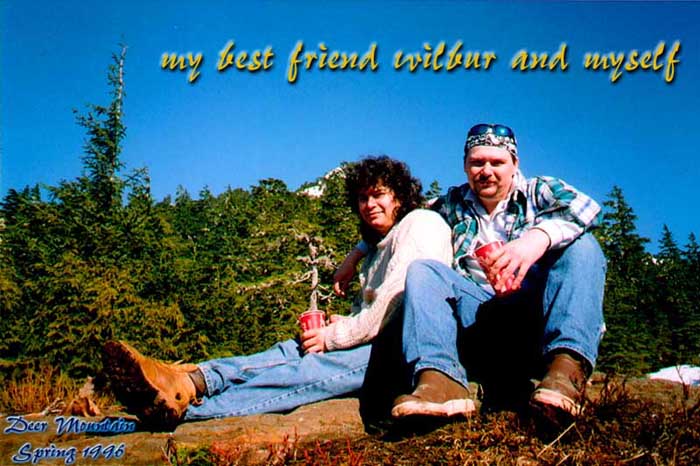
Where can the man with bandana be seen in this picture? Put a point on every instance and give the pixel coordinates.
(540, 294)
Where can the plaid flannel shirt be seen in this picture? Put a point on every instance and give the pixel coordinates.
(546, 203)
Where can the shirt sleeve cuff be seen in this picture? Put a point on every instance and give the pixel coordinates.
(329, 337)
(551, 229)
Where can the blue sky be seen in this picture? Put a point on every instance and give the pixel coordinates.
(234, 128)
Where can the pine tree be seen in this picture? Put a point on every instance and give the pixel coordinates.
(618, 236)
(106, 131)
(29, 243)
(10, 298)
(628, 344)
(691, 253)
(671, 300)
(338, 223)
(691, 282)
(90, 205)
(88, 266)
(433, 191)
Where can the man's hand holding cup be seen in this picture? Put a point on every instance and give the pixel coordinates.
(507, 264)
(488, 255)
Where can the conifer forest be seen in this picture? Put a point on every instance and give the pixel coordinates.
(202, 275)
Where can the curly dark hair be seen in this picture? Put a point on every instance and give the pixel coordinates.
(395, 175)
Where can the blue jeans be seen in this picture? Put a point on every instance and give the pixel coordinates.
(562, 293)
(278, 379)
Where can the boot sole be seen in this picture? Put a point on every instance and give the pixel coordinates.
(552, 412)
(464, 407)
(133, 389)
(551, 398)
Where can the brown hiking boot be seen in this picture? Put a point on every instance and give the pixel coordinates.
(435, 395)
(557, 399)
(157, 392)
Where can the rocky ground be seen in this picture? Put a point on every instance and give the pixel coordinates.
(641, 422)
(253, 439)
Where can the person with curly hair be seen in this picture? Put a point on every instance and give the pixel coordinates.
(323, 363)
(537, 293)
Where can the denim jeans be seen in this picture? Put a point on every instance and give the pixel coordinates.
(562, 294)
(278, 379)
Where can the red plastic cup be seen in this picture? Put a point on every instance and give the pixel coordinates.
(482, 252)
(312, 319)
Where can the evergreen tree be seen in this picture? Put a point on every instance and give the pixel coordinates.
(691, 283)
(691, 254)
(29, 243)
(671, 300)
(628, 343)
(86, 264)
(433, 191)
(338, 223)
(669, 249)
(10, 298)
(618, 236)
(91, 203)
(106, 131)
(677, 297)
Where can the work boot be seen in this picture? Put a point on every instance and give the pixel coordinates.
(557, 399)
(158, 393)
(436, 394)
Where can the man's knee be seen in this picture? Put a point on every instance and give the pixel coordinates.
(421, 270)
(585, 252)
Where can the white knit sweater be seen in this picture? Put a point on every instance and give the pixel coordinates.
(422, 234)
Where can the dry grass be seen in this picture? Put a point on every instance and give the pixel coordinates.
(640, 422)
(38, 389)
(637, 422)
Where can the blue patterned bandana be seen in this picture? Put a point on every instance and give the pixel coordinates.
(492, 135)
